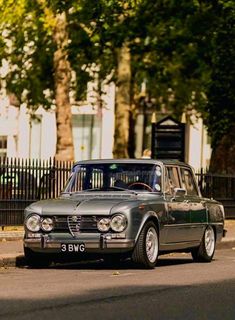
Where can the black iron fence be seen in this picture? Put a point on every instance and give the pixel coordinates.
(220, 187)
(25, 181)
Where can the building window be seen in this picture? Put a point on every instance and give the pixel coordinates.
(3, 146)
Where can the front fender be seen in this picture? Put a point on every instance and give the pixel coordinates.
(150, 215)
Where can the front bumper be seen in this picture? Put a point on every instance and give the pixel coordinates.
(94, 243)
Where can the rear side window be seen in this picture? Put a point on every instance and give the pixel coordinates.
(188, 182)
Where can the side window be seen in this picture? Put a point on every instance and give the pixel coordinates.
(171, 179)
(188, 182)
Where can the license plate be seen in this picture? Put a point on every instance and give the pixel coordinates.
(72, 247)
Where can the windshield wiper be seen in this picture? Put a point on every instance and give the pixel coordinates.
(103, 190)
(91, 189)
(121, 189)
(99, 189)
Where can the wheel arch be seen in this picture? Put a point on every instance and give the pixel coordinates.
(150, 216)
(215, 218)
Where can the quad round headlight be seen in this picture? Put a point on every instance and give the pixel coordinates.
(118, 223)
(103, 224)
(33, 223)
(47, 224)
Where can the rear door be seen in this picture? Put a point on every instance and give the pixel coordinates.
(178, 208)
(198, 212)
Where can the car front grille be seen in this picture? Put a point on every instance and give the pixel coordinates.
(76, 224)
(61, 223)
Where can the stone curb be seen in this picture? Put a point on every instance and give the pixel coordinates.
(11, 260)
(11, 235)
(228, 244)
(8, 260)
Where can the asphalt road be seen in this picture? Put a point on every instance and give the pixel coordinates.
(176, 289)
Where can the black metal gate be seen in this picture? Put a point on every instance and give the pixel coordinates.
(168, 139)
(220, 187)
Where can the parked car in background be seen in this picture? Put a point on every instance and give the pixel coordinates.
(116, 209)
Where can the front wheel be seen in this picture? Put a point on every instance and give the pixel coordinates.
(206, 250)
(147, 246)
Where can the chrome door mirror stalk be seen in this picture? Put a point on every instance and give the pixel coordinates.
(179, 192)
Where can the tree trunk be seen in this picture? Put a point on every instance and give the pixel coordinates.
(223, 156)
(62, 75)
(122, 111)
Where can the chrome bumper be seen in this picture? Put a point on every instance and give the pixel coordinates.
(98, 243)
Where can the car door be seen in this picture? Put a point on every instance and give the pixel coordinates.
(198, 211)
(177, 208)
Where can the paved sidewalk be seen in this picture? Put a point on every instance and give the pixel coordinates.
(11, 245)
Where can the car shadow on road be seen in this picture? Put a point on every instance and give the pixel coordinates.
(127, 264)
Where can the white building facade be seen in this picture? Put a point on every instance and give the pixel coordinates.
(23, 135)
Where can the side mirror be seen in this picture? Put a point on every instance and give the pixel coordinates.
(179, 192)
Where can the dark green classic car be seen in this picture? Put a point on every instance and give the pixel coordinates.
(117, 209)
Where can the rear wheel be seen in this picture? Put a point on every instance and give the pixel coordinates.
(146, 249)
(206, 250)
(36, 260)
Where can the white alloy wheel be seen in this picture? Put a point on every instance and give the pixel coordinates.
(145, 252)
(206, 250)
(209, 241)
(151, 244)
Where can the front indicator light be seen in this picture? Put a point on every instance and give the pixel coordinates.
(118, 236)
(47, 224)
(33, 223)
(118, 223)
(33, 235)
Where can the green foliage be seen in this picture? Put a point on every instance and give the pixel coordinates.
(171, 52)
(182, 50)
(221, 89)
(27, 49)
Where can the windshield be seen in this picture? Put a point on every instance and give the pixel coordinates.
(115, 177)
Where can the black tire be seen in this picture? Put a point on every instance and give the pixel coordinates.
(206, 250)
(140, 255)
(36, 260)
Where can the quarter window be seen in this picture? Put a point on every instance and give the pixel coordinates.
(172, 179)
(188, 182)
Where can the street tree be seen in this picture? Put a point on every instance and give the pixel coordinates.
(182, 52)
(220, 109)
(187, 62)
(113, 21)
(35, 40)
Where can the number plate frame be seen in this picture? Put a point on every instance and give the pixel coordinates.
(72, 247)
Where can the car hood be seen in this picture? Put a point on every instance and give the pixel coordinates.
(82, 206)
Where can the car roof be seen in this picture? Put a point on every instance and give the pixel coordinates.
(142, 160)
